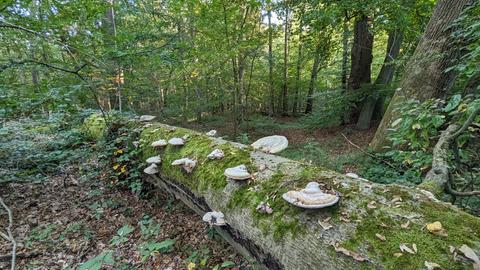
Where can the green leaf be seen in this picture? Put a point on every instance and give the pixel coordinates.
(227, 264)
(95, 263)
(454, 101)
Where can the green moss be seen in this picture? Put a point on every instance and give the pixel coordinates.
(460, 227)
(94, 127)
(207, 173)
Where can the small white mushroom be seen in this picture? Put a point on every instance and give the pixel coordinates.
(211, 133)
(176, 141)
(146, 118)
(216, 154)
(214, 218)
(352, 175)
(264, 208)
(239, 172)
(154, 160)
(271, 144)
(152, 169)
(159, 143)
(187, 164)
(311, 197)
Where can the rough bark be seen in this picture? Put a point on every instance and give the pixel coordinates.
(345, 36)
(292, 238)
(424, 76)
(361, 58)
(375, 100)
(284, 97)
(299, 68)
(313, 78)
(271, 90)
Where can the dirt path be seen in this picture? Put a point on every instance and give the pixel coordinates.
(67, 225)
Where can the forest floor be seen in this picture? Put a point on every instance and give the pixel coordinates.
(64, 220)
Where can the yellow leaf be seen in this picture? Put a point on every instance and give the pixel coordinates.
(191, 266)
(115, 167)
(124, 169)
(434, 227)
(119, 151)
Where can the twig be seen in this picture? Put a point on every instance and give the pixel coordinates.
(367, 153)
(4, 258)
(9, 233)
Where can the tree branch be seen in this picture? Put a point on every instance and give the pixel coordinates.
(9, 233)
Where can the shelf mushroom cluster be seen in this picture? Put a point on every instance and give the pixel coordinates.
(312, 197)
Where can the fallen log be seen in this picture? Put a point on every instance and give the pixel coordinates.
(368, 229)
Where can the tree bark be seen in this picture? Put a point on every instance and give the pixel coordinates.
(270, 60)
(299, 68)
(345, 36)
(384, 78)
(285, 63)
(424, 76)
(361, 57)
(313, 78)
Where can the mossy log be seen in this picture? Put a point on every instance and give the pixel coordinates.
(364, 230)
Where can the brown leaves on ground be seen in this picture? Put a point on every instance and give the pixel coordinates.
(65, 226)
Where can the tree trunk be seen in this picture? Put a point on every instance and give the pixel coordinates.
(270, 60)
(360, 71)
(285, 64)
(299, 69)
(313, 78)
(345, 35)
(384, 78)
(344, 236)
(424, 76)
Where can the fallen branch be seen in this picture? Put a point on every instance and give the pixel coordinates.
(367, 153)
(9, 235)
(7, 257)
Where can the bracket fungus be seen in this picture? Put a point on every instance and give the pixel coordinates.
(211, 133)
(271, 144)
(146, 118)
(312, 196)
(159, 143)
(187, 164)
(176, 141)
(239, 172)
(216, 154)
(214, 218)
(154, 160)
(152, 169)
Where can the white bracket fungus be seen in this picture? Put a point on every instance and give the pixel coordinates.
(312, 197)
(152, 169)
(187, 164)
(211, 133)
(239, 172)
(154, 160)
(216, 154)
(159, 143)
(176, 141)
(271, 144)
(146, 118)
(214, 218)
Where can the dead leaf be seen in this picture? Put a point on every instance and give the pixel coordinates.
(452, 249)
(414, 246)
(396, 199)
(350, 253)
(431, 265)
(383, 225)
(436, 228)
(325, 225)
(398, 254)
(469, 253)
(327, 219)
(372, 205)
(404, 248)
(405, 225)
(381, 237)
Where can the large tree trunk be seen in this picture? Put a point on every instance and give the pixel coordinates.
(271, 90)
(285, 63)
(360, 71)
(313, 78)
(425, 75)
(299, 69)
(345, 36)
(345, 236)
(384, 78)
